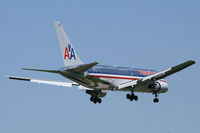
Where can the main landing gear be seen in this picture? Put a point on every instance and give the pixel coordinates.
(95, 99)
(132, 96)
(155, 100)
(96, 95)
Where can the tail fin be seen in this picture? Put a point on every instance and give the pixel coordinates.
(68, 52)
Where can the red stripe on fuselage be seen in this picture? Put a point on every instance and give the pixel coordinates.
(162, 80)
(114, 77)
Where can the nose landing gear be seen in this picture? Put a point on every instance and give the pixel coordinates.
(155, 100)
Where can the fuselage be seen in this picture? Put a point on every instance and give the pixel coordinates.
(107, 77)
(115, 72)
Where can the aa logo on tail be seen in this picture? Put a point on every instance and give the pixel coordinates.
(69, 52)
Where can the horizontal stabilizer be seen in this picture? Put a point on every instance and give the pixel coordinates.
(83, 68)
(58, 83)
(50, 82)
(50, 71)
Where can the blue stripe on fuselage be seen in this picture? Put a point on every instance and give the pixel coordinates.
(101, 69)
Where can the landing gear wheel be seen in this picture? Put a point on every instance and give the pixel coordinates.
(135, 98)
(99, 100)
(128, 96)
(95, 99)
(91, 99)
(155, 100)
(131, 97)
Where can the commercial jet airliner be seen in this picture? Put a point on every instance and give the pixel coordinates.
(96, 80)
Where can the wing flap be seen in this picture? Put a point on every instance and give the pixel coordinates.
(127, 84)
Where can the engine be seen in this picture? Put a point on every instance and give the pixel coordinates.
(98, 93)
(159, 86)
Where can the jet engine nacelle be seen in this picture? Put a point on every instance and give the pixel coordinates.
(98, 93)
(159, 86)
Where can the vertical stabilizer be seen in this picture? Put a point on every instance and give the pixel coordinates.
(69, 54)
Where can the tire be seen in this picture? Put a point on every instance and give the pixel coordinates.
(155, 100)
(99, 100)
(128, 96)
(131, 98)
(91, 99)
(135, 98)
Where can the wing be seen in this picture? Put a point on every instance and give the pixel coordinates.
(160, 75)
(175, 69)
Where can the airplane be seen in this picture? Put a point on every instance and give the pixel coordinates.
(97, 80)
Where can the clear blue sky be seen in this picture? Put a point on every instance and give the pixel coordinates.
(136, 33)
